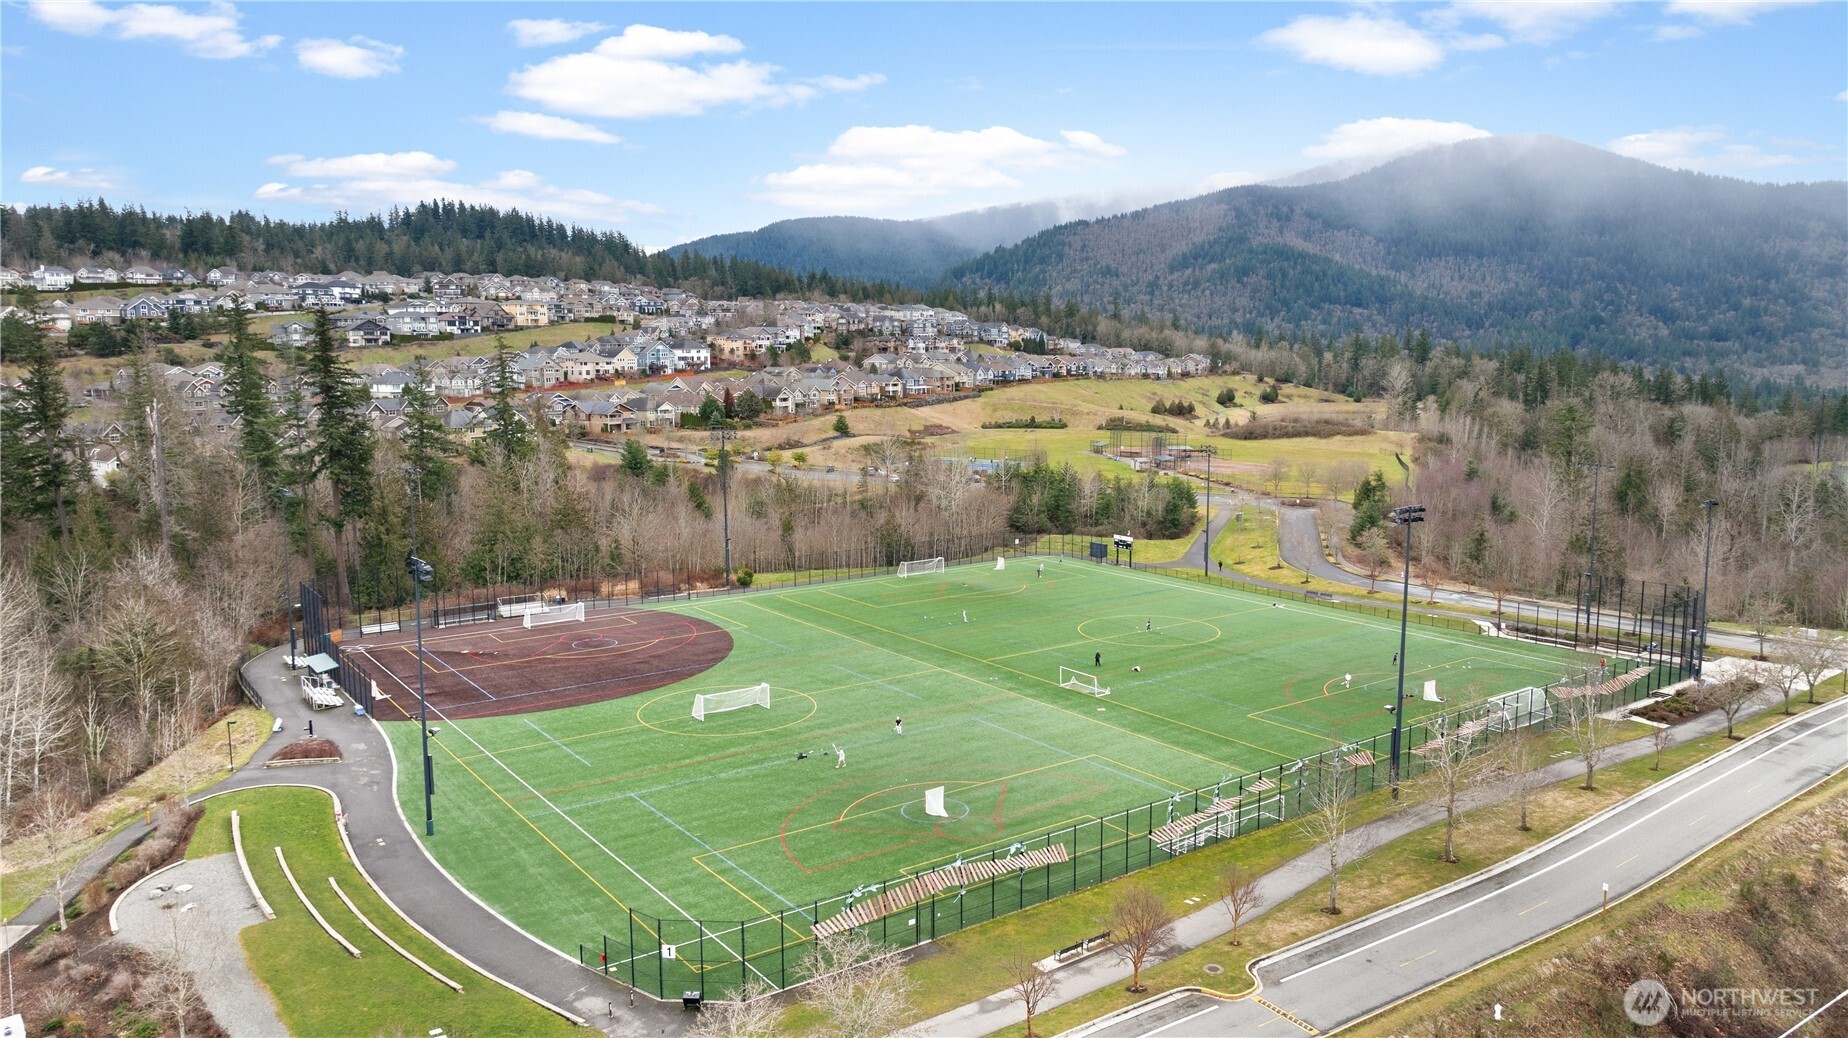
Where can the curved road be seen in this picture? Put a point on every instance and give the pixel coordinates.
(1348, 974)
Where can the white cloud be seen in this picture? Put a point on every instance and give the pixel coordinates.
(357, 57)
(1730, 12)
(87, 179)
(1085, 140)
(547, 127)
(643, 73)
(544, 32)
(1386, 136)
(404, 178)
(206, 31)
(1221, 181)
(1677, 31)
(1705, 149)
(1529, 21)
(1359, 42)
(1843, 96)
(873, 169)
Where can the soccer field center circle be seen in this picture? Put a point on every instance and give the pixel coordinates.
(1131, 630)
(729, 719)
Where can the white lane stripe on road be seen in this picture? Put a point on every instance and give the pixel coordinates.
(1569, 858)
(1177, 1023)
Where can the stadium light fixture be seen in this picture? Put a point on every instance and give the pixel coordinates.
(1591, 554)
(1706, 564)
(421, 573)
(1206, 548)
(1405, 516)
(723, 435)
(230, 761)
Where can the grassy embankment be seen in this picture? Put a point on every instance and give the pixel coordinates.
(318, 988)
(26, 868)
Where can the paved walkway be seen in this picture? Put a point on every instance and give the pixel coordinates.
(394, 859)
(1275, 887)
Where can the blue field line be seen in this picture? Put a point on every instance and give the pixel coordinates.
(876, 681)
(638, 799)
(1079, 757)
(556, 743)
(761, 638)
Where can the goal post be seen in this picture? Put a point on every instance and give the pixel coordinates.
(1079, 681)
(735, 699)
(517, 605)
(933, 803)
(560, 614)
(918, 567)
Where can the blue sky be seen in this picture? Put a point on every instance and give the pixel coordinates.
(674, 121)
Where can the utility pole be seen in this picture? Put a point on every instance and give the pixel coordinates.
(1591, 554)
(724, 435)
(285, 495)
(1404, 516)
(1206, 549)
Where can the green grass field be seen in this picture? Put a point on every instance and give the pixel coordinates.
(563, 819)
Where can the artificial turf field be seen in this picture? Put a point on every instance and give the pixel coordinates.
(563, 818)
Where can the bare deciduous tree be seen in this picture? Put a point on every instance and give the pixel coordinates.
(1659, 740)
(1518, 760)
(1375, 555)
(1589, 734)
(56, 824)
(1275, 473)
(1029, 984)
(1141, 923)
(1763, 614)
(745, 1012)
(1814, 654)
(1452, 767)
(1729, 697)
(1327, 790)
(171, 987)
(858, 987)
(1238, 893)
(1781, 673)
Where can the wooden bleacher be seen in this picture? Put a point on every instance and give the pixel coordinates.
(934, 881)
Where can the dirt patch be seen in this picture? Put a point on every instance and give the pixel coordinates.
(307, 750)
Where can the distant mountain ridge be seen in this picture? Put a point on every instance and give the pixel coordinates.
(1500, 240)
(907, 252)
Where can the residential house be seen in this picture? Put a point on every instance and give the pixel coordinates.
(104, 462)
(145, 307)
(97, 276)
(292, 333)
(368, 333)
(222, 276)
(445, 287)
(139, 275)
(106, 309)
(10, 278)
(51, 279)
(690, 355)
(178, 276)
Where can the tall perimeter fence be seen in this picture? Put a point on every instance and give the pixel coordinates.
(1649, 630)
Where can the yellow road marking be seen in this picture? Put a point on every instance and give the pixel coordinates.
(1428, 954)
(1530, 908)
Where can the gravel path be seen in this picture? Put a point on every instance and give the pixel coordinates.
(206, 919)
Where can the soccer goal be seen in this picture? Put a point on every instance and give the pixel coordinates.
(518, 605)
(1082, 682)
(558, 614)
(920, 566)
(933, 803)
(1000, 562)
(1518, 709)
(736, 699)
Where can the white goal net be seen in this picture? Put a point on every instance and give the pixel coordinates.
(518, 605)
(736, 699)
(933, 803)
(919, 566)
(559, 614)
(1080, 681)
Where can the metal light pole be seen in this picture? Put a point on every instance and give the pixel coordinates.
(421, 572)
(1405, 516)
(230, 762)
(1591, 554)
(1706, 564)
(285, 495)
(725, 493)
(1206, 549)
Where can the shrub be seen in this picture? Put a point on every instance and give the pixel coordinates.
(50, 949)
(119, 986)
(94, 895)
(744, 576)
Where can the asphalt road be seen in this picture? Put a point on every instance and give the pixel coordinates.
(1344, 976)
(1300, 543)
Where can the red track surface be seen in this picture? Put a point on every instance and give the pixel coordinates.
(486, 670)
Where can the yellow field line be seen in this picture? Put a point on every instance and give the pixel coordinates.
(742, 894)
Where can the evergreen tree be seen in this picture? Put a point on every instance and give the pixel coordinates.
(635, 458)
(342, 444)
(509, 437)
(39, 468)
(247, 399)
(428, 444)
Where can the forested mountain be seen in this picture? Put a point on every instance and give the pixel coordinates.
(1535, 241)
(437, 235)
(907, 252)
